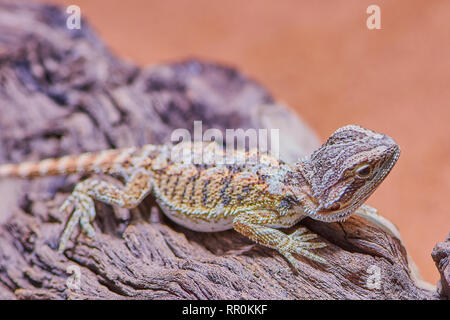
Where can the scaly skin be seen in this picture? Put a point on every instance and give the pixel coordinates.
(255, 195)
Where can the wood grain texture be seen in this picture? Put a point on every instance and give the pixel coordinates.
(62, 92)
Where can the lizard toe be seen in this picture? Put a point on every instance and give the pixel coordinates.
(83, 213)
(298, 243)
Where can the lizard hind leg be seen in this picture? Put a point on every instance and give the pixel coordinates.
(81, 201)
(257, 225)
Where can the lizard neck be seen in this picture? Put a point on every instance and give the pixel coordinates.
(302, 189)
(290, 183)
(295, 180)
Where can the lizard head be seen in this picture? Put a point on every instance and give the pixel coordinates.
(346, 170)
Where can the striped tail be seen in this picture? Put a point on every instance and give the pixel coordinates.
(90, 162)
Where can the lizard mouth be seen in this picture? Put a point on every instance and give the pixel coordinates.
(335, 216)
(345, 212)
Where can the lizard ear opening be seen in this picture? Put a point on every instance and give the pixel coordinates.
(335, 206)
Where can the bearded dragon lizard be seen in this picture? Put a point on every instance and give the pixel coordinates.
(255, 197)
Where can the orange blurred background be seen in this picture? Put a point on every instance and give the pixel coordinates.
(320, 58)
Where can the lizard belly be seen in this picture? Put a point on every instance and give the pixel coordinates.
(197, 222)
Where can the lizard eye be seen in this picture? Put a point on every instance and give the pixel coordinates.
(364, 171)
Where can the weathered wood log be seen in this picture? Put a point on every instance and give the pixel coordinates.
(62, 92)
(441, 257)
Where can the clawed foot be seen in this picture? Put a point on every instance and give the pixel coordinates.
(83, 212)
(298, 243)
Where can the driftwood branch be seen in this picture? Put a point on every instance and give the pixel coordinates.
(62, 92)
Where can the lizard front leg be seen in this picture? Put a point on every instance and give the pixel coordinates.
(258, 226)
(81, 201)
